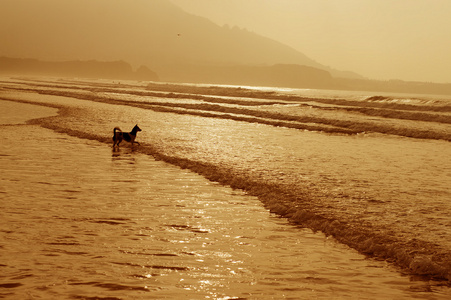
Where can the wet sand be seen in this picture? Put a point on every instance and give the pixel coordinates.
(79, 220)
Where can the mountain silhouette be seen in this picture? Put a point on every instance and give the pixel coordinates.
(157, 34)
(85, 69)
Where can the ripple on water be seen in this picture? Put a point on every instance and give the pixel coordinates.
(165, 232)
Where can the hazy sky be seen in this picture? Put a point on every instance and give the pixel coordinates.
(379, 39)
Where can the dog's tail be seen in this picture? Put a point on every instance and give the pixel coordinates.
(115, 137)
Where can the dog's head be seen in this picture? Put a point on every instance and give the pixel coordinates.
(136, 128)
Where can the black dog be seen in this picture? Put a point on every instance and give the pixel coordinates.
(127, 136)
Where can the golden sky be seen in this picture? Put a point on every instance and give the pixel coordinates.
(379, 39)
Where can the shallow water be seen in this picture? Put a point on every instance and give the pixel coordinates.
(395, 186)
(79, 220)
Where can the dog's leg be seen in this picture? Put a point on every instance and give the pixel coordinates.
(116, 141)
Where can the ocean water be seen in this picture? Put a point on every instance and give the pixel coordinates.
(234, 193)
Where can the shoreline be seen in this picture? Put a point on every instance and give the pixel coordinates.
(140, 235)
(433, 263)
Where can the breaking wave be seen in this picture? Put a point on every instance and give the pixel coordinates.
(426, 119)
(378, 115)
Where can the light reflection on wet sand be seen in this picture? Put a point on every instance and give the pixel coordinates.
(80, 220)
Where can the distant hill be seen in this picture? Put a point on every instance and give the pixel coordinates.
(281, 75)
(110, 38)
(155, 33)
(86, 69)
